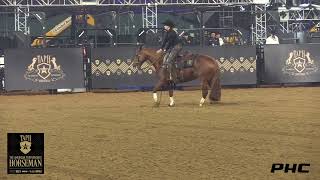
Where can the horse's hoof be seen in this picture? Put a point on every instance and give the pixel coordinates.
(171, 105)
(157, 104)
(214, 102)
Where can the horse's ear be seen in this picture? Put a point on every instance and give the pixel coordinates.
(140, 48)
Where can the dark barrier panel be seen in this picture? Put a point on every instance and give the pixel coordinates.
(111, 67)
(52, 68)
(292, 63)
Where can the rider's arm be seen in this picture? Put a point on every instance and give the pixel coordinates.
(164, 42)
(171, 38)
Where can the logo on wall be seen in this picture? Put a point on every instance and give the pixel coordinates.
(44, 68)
(25, 153)
(299, 63)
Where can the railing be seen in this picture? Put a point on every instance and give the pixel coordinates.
(124, 2)
(195, 36)
(150, 36)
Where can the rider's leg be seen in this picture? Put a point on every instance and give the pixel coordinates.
(165, 60)
(166, 63)
(172, 58)
(169, 61)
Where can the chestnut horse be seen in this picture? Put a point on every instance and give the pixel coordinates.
(203, 67)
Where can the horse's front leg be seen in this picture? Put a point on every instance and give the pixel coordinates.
(171, 104)
(156, 88)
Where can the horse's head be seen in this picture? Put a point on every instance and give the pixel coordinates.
(144, 54)
(139, 58)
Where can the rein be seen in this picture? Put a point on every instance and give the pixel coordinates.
(149, 65)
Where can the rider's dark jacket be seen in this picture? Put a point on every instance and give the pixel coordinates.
(170, 40)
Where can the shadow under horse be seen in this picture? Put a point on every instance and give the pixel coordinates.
(200, 67)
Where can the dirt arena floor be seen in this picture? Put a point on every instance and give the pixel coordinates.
(120, 136)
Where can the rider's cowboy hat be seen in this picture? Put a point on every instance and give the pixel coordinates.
(168, 23)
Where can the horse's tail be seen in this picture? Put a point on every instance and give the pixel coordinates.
(215, 93)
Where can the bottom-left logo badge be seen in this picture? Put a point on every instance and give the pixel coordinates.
(25, 153)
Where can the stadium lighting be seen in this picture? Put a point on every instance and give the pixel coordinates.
(81, 34)
(181, 33)
(109, 33)
(141, 33)
(89, 2)
(40, 18)
(261, 1)
(242, 8)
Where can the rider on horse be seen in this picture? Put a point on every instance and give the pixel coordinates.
(171, 45)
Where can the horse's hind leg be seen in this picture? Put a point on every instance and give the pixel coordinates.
(204, 88)
(215, 86)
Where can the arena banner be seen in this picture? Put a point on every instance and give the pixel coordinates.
(292, 63)
(41, 69)
(111, 67)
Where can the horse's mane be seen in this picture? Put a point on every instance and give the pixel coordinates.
(152, 52)
(149, 50)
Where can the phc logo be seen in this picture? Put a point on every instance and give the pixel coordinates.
(300, 168)
(299, 63)
(44, 68)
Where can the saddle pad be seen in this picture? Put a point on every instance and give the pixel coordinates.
(185, 62)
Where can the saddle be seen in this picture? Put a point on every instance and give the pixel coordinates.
(184, 60)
